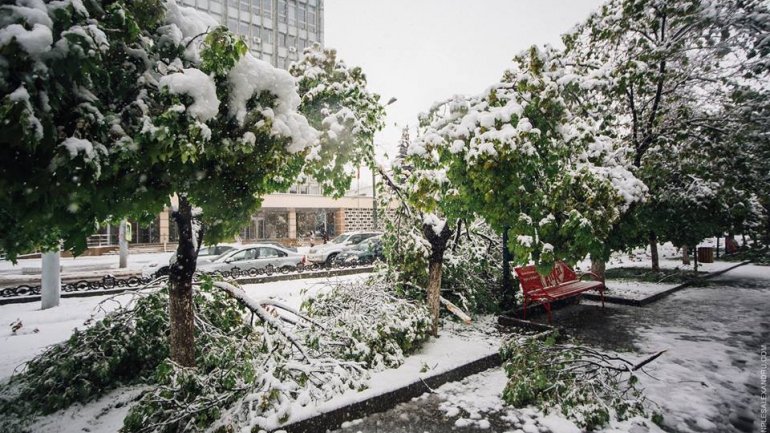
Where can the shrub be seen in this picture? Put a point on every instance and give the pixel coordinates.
(586, 386)
(245, 372)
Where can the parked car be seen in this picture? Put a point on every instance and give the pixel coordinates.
(256, 256)
(205, 255)
(365, 253)
(327, 252)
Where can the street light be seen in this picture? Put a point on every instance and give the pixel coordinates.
(374, 177)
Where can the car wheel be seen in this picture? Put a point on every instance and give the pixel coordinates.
(330, 260)
(269, 269)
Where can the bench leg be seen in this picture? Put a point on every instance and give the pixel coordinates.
(524, 313)
(547, 306)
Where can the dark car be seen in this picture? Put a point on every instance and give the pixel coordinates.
(364, 253)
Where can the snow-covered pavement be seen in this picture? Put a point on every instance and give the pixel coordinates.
(707, 381)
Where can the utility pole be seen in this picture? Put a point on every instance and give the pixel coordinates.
(374, 198)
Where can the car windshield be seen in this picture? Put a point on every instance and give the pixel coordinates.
(222, 257)
(340, 239)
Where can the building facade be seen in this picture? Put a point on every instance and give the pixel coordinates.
(277, 31)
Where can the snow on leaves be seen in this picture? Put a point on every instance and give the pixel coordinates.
(336, 102)
(518, 153)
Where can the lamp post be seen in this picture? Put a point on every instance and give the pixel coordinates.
(374, 178)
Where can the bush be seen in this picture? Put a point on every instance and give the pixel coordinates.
(472, 273)
(586, 386)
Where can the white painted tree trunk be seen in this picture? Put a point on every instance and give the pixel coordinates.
(50, 290)
(123, 244)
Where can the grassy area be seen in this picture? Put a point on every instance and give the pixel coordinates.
(676, 276)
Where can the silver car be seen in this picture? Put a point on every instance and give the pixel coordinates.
(256, 256)
(326, 253)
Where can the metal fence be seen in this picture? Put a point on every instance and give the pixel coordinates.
(133, 283)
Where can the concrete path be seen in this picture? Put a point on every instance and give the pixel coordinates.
(709, 380)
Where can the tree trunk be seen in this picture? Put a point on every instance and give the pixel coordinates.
(50, 284)
(598, 267)
(508, 296)
(181, 313)
(123, 245)
(654, 252)
(434, 293)
(685, 255)
(438, 244)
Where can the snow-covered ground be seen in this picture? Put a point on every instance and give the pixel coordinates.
(108, 261)
(41, 328)
(474, 404)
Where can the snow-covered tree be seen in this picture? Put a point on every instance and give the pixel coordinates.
(123, 105)
(336, 103)
(665, 69)
(525, 159)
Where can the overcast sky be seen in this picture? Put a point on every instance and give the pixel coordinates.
(422, 51)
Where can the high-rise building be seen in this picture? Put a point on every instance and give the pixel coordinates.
(276, 31)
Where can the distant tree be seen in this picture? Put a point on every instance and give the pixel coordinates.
(336, 102)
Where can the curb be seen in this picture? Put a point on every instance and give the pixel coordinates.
(663, 294)
(332, 420)
(253, 280)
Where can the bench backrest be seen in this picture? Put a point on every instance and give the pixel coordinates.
(530, 279)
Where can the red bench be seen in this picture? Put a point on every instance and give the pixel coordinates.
(561, 283)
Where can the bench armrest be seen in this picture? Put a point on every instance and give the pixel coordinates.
(593, 275)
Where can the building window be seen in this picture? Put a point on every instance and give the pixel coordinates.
(311, 19)
(243, 28)
(303, 189)
(292, 14)
(282, 14)
(267, 36)
(245, 7)
(267, 8)
(276, 225)
(215, 7)
(268, 58)
(302, 16)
